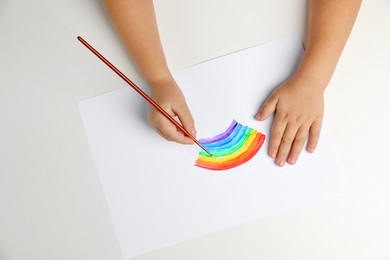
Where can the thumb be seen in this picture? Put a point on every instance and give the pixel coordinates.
(185, 117)
(268, 107)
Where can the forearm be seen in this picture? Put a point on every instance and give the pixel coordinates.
(330, 23)
(135, 22)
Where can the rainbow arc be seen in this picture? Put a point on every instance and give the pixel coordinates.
(235, 146)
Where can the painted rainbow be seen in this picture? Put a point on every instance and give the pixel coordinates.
(235, 146)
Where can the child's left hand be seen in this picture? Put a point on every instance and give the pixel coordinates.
(299, 107)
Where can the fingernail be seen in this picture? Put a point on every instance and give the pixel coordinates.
(273, 154)
(311, 149)
(291, 161)
(280, 163)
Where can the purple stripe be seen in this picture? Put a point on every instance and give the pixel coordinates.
(220, 137)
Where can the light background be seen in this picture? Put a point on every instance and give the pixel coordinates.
(160, 199)
(52, 204)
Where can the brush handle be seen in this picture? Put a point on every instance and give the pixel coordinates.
(142, 93)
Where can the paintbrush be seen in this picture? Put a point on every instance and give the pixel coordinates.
(143, 94)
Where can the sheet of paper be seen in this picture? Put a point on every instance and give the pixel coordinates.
(155, 194)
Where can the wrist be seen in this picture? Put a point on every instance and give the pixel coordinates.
(313, 77)
(160, 81)
(166, 84)
(316, 70)
(307, 82)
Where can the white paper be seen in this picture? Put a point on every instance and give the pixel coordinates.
(155, 194)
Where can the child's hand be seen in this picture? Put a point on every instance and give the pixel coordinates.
(299, 107)
(169, 96)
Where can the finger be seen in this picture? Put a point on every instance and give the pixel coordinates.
(179, 138)
(268, 107)
(298, 144)
(166, 129)
(161, 133)
(314, 136)
(171, 133)
(277, 132)
(285, 144)
(185, 117)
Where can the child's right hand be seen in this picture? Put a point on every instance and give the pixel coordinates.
(168, 95)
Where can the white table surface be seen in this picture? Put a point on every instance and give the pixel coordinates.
(52, 205)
